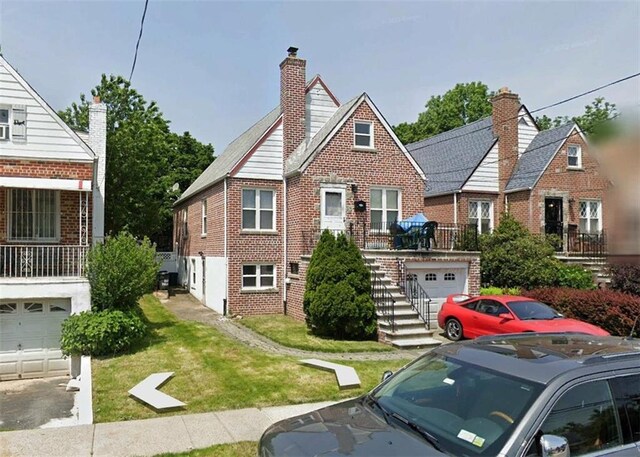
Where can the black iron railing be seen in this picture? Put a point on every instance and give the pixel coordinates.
(586, 244)
(382, 298)
(417, 296)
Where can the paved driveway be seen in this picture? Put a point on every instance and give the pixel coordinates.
(35, 403)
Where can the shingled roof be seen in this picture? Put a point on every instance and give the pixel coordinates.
(536, 158)
(449, 159)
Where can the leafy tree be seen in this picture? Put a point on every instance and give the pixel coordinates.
(595, 122)
(144, 159)
(337, 298)
(465, 103)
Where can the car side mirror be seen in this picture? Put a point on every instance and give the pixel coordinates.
(505, 316)
(386, 375)
(554, 446)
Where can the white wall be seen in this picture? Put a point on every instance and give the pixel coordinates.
(266, 161)
(526, 131)
(77, 290)
(216, 280)
(319, 108)
(485, 177)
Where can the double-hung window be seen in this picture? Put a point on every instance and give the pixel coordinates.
(204, 217)
(34, 215)
(481, 215)
(590, 216)
(13, 123)
(574, 156)
(258, 211)
(363, 134)
(258, 276)
(385, 208)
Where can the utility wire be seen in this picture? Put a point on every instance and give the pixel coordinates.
(135, 56)
(444, 140)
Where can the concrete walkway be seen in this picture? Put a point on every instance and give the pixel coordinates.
(186, 307)
(149, 437)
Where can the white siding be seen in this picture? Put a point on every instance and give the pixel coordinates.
(526, 132)
(46, 137)
(266, 161)
(319, 108)
(485, 178)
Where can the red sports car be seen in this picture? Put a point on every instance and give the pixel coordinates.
(462, 316)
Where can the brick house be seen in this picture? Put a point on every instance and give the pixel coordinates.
(245, 228)
(51, 209)
(548, 180)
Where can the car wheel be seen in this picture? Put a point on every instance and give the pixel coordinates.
(453, 329)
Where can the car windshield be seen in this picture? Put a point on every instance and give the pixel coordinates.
(532, 310)
(468, 409)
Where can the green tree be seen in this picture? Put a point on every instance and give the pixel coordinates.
(464, 103)
(144, 159)
(596, 121)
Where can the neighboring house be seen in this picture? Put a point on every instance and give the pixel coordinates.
(245, 228)
(51, 209)
(547, 179)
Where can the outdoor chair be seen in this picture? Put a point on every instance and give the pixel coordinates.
(398, 234)
(429, 234)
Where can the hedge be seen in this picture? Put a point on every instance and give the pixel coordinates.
(613, 311)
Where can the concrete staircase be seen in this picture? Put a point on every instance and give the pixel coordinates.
(598, 266)
(410, 330)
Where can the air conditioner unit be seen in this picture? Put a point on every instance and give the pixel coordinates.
(4, 131)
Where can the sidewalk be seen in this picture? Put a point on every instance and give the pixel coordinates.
(149, 437)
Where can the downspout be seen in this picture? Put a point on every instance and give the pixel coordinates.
(506, 203)
(455, 208)
(284, 241)
(226, 259)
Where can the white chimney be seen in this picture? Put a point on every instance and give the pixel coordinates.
(98, 143)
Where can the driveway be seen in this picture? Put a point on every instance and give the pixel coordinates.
(36, 403)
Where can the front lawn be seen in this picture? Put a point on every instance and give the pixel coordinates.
(212, 372)
(295, 334)
(241, 449)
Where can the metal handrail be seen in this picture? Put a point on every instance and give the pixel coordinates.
(29, 261)
(382, 298)
(417, 296)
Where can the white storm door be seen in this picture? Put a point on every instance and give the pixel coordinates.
(332, 209)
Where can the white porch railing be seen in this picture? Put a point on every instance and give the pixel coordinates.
(39, 261)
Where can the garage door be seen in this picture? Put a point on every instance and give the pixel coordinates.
(30, 338)
(440, 282)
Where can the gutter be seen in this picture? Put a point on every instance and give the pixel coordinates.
(517, 190)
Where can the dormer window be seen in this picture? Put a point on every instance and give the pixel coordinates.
(574, 156)
(4, 124)
(13, 123)
(363, 134)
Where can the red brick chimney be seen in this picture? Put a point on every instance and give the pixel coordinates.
(505, 127)
(292, 101)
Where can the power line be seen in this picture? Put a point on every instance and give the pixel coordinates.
(135, 56)
(566, 100)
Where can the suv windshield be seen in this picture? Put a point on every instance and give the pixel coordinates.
(468, 409)
(533, 310)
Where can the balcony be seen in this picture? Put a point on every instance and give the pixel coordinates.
(42, 261)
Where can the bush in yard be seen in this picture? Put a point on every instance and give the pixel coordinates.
(499, 291)
(513, 257)
(626, 278)
(337, 298)
(106, 332)
(120, 271)
(613, 311)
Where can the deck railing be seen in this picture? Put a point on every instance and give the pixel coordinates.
(38, 261)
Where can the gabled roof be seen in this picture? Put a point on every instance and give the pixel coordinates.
(91, 156)
(449, 159)
(237, 149)
(536, 158)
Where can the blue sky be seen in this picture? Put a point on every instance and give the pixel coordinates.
(213, 66)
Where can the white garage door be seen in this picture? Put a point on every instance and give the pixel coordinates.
(30, 338)
(440, 282)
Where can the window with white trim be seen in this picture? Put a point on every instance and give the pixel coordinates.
(363, 134)
(13, 122)
(258, 211)
(574, 156)
(5, 131)
(255, 277)
(590, 216)
(385, 207)
(204, 217)
(481, 215)
(34, 215)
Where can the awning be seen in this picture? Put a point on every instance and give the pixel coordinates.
(46, 183)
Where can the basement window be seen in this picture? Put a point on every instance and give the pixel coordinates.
(294, 268)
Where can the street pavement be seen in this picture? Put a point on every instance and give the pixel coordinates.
(149, 437)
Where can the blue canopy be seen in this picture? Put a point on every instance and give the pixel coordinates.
(417, 220)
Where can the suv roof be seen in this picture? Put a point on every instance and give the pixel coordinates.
(524, 355)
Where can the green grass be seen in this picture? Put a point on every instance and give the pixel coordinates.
(212, 372)
(292, 333)
(242, 449)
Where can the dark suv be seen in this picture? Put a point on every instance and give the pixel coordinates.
(505, 395)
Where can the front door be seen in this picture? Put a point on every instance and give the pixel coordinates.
(553, 216)
(332, 209)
